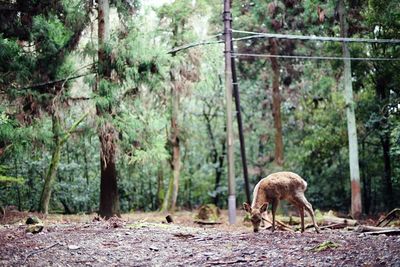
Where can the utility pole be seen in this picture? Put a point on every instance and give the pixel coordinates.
(356, 207)
(240, 127)
(229, 131)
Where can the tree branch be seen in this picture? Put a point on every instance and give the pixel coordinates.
(53, 82)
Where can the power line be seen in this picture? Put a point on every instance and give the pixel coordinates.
(316, 57)
(312, 38)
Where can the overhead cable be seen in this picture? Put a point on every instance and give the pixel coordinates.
(316, 57)
(312, 38)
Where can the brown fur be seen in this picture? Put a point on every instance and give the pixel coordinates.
(276, 187)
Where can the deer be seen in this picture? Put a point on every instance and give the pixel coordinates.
(275, 187)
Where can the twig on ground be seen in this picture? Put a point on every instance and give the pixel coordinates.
(280, 224)
(332, 226)
(389, 217)
(373, 230)
(201, 222)
(334, 220)
(232, 262)
(39, 251)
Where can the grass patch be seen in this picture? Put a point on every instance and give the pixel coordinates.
(324, 246)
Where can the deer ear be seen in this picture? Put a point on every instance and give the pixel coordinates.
(246, 207)
(264, 207)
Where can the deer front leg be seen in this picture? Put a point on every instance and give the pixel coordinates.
(274, 207)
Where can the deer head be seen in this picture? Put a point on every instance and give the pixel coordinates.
(255, 214)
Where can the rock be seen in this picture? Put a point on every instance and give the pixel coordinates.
(153, 248)
(169, 219)
(34, 228)
(73, 247)
(208, 212)
(33, 220)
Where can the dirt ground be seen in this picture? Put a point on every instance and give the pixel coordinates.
(141, 239)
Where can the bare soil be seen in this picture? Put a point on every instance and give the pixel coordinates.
(141, 239)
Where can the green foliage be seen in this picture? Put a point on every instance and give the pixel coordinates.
(75, 14)
(8, 180)
(140, 60)
(50, 33)
(18, 63)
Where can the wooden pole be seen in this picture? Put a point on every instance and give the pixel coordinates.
(229, 131)
(240, 127)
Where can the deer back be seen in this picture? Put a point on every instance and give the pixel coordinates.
(282, 185)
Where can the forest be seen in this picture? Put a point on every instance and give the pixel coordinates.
(160, 116)
(114, 107)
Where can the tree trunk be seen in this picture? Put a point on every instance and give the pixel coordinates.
(382, 92)
(167, 199)
(85, 157)
(189, 193)
(356, 207)
(176, 153)
(109, 200)
(218, 171)
(160, 187)
(387, 171)
(366, 182)
(276, 105)
(216, 159)
(173, 187)
(52, 171)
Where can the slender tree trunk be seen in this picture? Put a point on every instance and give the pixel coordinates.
(160, 187)
(17, 186)
(356, 207)
(366, 181)
(263, 138)
(175, 142)
(52, 171)
(276, 105)
(188, 191)
(85, 158)
(218, 171)
(387, 171)
(217, 159)
(382, 92)
(167, 199)
(109, 199)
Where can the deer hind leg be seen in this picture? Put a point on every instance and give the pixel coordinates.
(301, 211)
(299, 205)
(309, 209)
(275, 204)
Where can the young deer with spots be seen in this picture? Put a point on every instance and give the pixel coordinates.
(275, 187)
